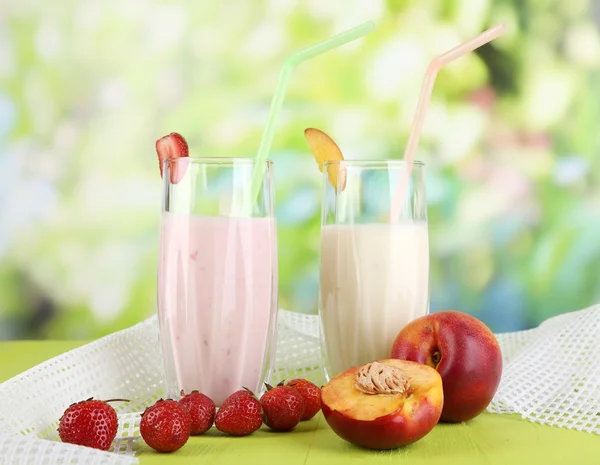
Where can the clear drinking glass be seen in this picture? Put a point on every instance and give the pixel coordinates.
(217, 276)
(374, 275)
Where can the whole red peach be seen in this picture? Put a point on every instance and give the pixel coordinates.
(465, 353)
(385, 404)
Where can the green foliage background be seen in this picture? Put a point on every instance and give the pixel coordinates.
(511, 144)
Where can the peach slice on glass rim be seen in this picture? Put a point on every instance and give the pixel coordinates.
(385, 404)
(324, 149)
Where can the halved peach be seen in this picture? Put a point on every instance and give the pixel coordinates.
(325, 149)
(385, 404)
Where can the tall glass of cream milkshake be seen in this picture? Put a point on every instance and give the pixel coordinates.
(217, 276)
(374, 274)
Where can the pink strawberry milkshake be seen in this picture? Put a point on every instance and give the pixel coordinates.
(217, 301)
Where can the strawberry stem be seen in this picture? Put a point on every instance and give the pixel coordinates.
(250, 391)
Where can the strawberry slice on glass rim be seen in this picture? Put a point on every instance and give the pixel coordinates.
(172, 147)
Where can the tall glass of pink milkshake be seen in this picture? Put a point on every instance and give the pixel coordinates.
(217, 276)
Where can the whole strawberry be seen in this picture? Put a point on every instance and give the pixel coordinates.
(283, 407)
(311, 395)
(91, 423)
(166, 425)
(240, 414)
(202, 410)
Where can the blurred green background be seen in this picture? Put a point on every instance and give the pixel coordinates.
(510, 143)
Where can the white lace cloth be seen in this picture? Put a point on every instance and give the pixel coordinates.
(551, 376)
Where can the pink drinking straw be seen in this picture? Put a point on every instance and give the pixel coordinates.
(419, 118)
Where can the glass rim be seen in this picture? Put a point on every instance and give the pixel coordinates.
(368, 163)
(247, 161)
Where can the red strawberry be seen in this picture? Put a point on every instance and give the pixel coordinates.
(202, 410)
(166, 425)
(240, 414)
(283, 407)
(311, 395)
(171, 147)
(91, 423)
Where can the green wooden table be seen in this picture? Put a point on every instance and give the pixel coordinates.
(489, 439)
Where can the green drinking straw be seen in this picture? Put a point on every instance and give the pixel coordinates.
(284, 77)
